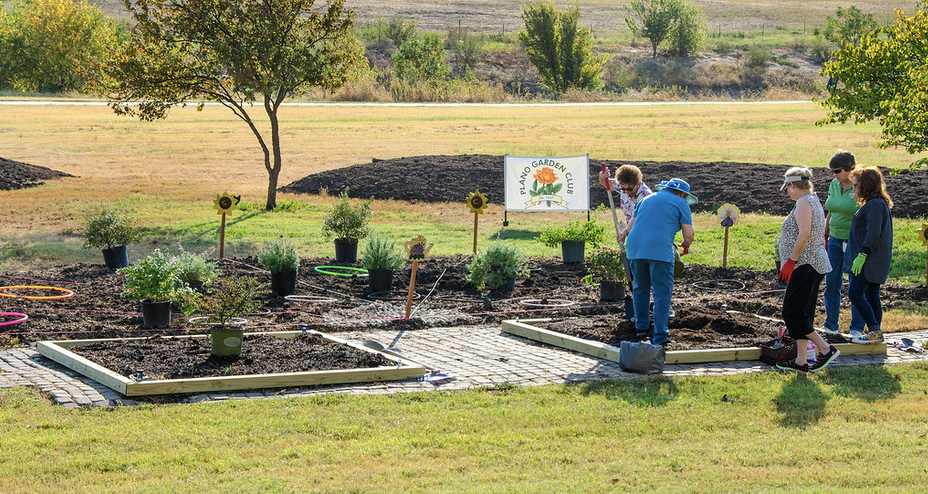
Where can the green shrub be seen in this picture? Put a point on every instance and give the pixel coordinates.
(346, 222)
(421, 59)
(155, 278)
(605, 263)
(108, 228)
(495, 266)
(279, 255)
(382, 253)
(591, 232)
(230, 298)
(195, 269)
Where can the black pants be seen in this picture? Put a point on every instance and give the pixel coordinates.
(799, 301)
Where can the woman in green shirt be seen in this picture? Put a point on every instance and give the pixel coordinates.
(841, 207)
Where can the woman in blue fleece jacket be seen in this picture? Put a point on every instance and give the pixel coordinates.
(869, 249)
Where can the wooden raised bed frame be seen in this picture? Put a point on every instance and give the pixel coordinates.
(58, 351)
(609, 352)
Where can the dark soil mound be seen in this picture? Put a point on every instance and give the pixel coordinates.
(752, 187)
(18, 175)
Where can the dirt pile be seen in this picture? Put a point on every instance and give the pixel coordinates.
(753, 187)
(18, 175)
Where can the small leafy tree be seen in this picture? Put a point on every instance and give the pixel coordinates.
(677, 22)
(467, 46)
(883, 78)
(43, 41)
(688, 30)
(848, 26)
(233, 52)
(559, 48)
(421, 58)
(652, 20)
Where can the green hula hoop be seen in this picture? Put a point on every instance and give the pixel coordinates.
(333, 270)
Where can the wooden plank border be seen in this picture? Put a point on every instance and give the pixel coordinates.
(611, 353)
(59, 352)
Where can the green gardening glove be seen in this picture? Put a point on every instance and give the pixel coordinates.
(858, 264)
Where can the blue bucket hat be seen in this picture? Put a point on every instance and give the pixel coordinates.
(679, 185)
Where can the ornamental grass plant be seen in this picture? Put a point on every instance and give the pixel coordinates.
(279, 255)
(382, 253)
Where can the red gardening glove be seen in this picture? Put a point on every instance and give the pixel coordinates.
(786, 272)
(826, 242)
(686, 249)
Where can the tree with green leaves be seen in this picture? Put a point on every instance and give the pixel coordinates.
(675, 21)
(559, 48)
(885, 78)
(421, 59)
(42, 41)
(848, 26)
(234, 52)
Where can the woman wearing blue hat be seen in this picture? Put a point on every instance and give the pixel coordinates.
(651, 251)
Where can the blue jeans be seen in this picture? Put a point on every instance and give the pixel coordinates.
(866, 298)
(833, 282)
(657, 277)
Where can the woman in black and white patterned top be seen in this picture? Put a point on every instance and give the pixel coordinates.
(804, 263)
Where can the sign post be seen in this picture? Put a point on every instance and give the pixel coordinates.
(476, 202)
(728, 216)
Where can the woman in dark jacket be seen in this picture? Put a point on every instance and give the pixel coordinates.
(869, 249)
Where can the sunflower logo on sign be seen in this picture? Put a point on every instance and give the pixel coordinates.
(477, 202)
(545, 187)
(225, 203)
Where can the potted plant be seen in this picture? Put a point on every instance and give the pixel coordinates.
(195, 270)
(347, 224)
(226, 304)
(606, 266)
(154, 282)
(573, 238)
(110, 230)
(497, 267)
(381, 258)
(281, 258)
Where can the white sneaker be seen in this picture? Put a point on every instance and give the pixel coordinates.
(856, 333)
(825, 330)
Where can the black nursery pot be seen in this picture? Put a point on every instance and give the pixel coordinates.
(380, 280)
(116, 257)
(346, 250)
(283, 283)
(610, 291)
(156, 314)
(572, 251)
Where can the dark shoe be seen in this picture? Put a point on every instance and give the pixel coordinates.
(791, 365)
(822, 361)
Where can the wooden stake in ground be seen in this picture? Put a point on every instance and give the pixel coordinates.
(923, 236)
(476, 202)
(224, 203)
(416, 249)
(728, 216)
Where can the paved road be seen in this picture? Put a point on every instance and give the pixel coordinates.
(475, 356)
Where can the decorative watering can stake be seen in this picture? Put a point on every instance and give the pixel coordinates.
(728, 216)
(223, 204)
(476, 202)
(923, 236)
(416, 249)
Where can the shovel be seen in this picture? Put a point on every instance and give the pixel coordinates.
(434, 374)
(615, 221)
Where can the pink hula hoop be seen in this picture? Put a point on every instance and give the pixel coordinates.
(22, 317)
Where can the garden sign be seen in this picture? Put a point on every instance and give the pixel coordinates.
(540, 184)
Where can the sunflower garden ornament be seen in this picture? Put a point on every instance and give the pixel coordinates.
(224, 203)
(923, 236)
(476, 202)
(728, 216)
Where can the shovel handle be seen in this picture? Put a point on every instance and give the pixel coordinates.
(608, 182)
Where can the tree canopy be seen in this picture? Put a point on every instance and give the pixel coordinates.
(235, 52)
(676, 21)
(884, 78)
